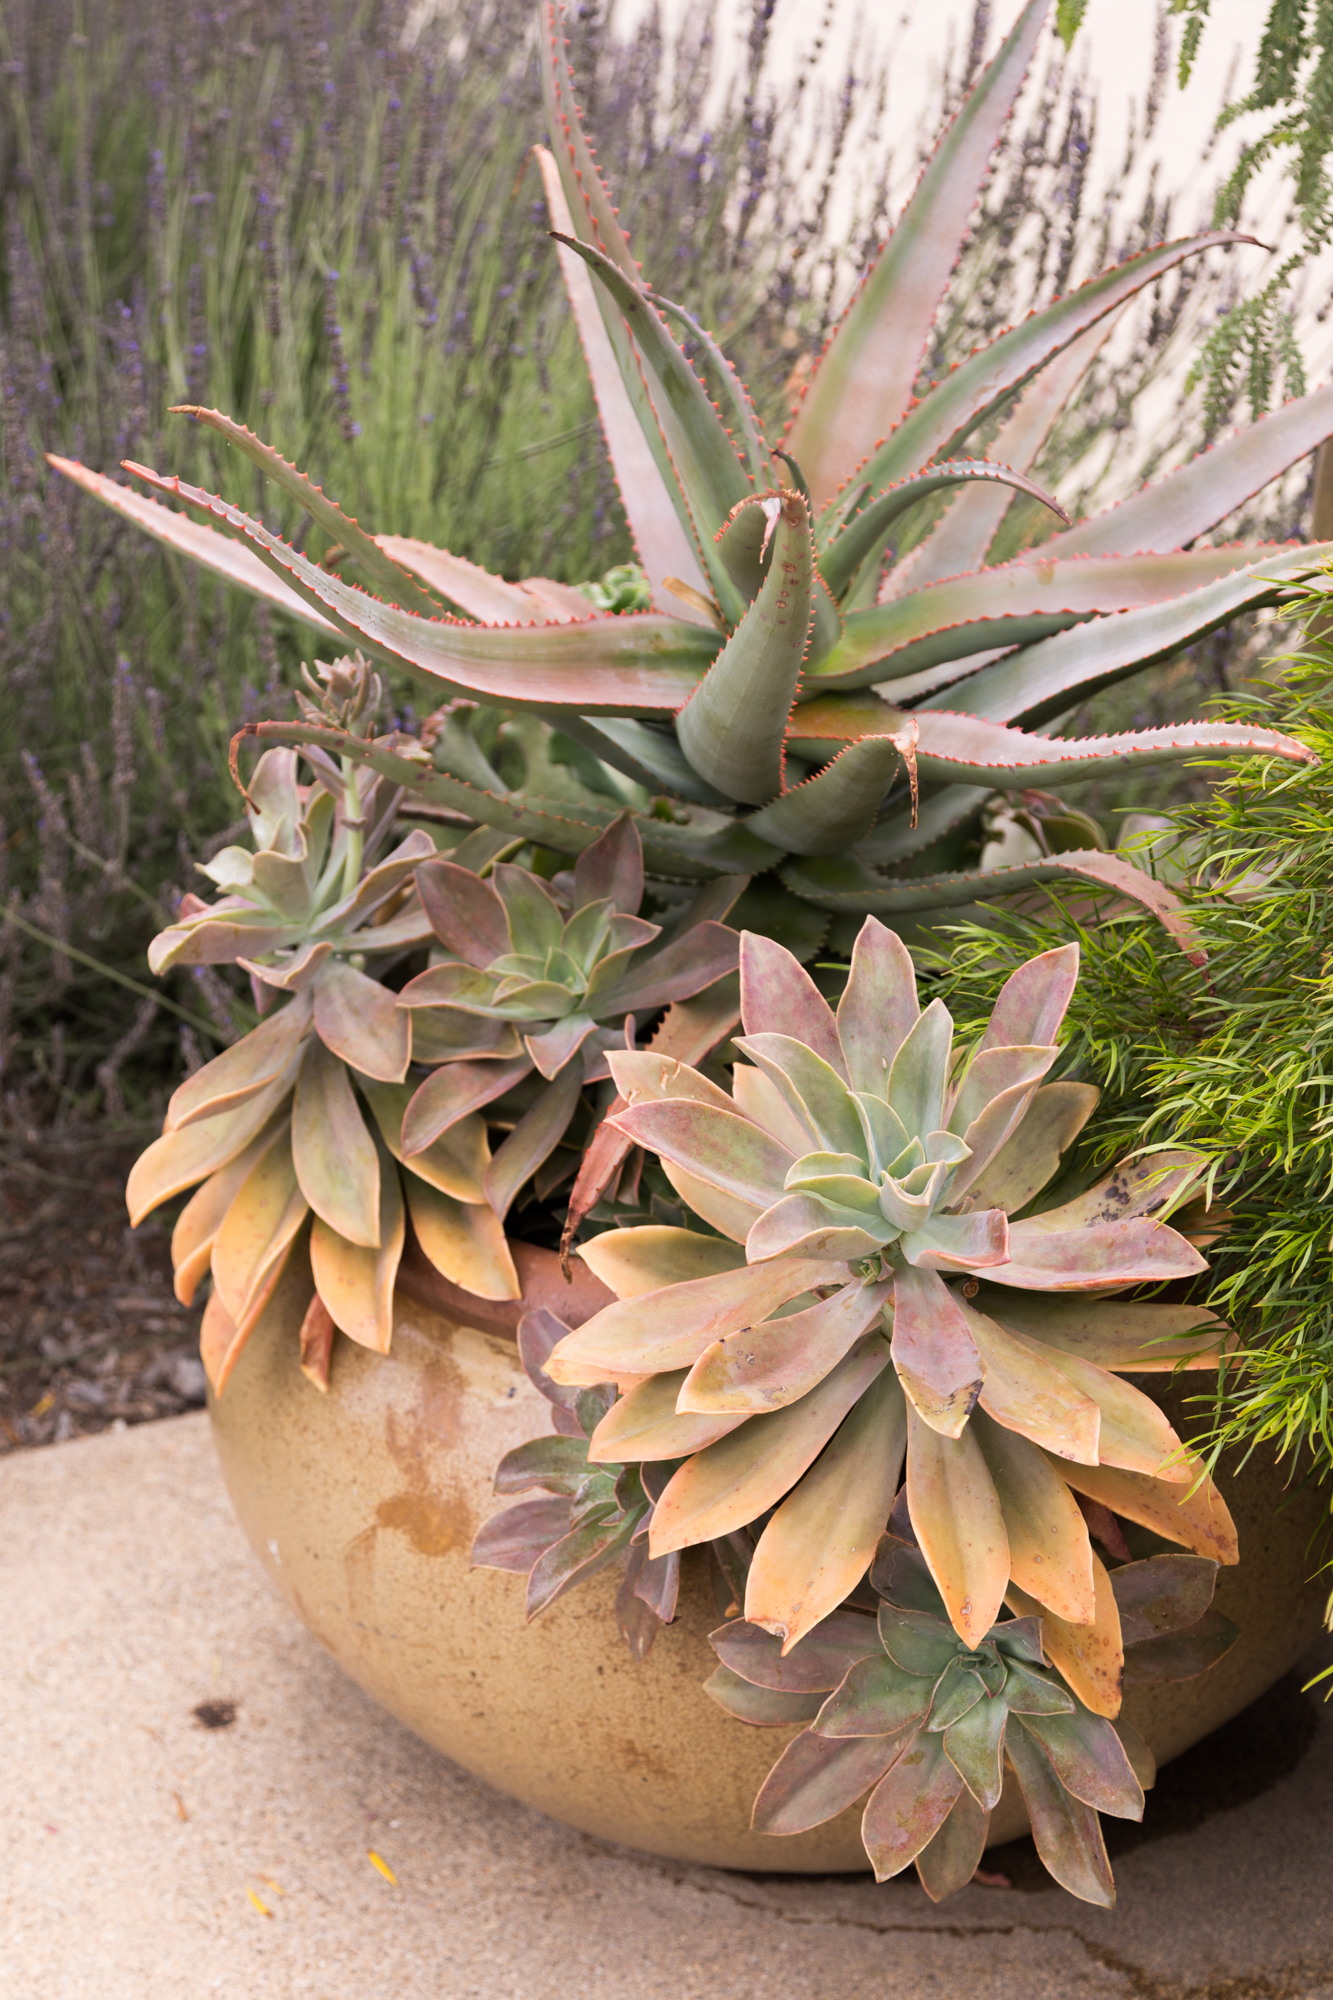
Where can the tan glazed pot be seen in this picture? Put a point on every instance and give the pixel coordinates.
(362, 1505)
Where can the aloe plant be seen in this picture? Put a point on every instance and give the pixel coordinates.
(354, 1108)
(791, 667)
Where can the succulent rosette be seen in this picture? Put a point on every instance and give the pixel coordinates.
(885, 1290)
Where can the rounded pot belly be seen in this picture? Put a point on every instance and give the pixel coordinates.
(362, 1505)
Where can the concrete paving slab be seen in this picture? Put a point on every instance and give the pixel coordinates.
(145, 1856)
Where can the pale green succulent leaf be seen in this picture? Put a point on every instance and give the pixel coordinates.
(727, 1151)
(830, 812)
(920, 1072)
(812, 1089)
(860, 540)
(706, 952)
(802, 1225)
(739, 413)
(877, 1698)
(779, 997)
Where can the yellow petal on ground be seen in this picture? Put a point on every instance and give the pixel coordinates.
(956, 1514)
(1050, 1555)
(465, 1241)
(1091, 1657)
(377, 1861)
(261, 1906)
(337, 1161)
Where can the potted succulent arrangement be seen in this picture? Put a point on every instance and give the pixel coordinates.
(832, 1321)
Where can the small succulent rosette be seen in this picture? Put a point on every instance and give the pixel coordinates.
(884, 1292)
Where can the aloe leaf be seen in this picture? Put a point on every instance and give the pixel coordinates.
(1089, 1761)
(258, 1231)
(515, 1537)
(249, 1066)
(465, 913)
(464, 1240)
(1031, 1155)
(934, 1352)
(452, 1092)
(357, 1283)
(1048, 678)
(1181, 1656)
(815, 1664)
(1050, 1556)
(866, 378)
(831, 811)
(877, 1698)
(640, 662)
(1067, 1833)
(937, 426)
(1197, 495)
(765, 1367)
(477, 592)
(1026, 1394)
(382, 574)
(1089, 1654)
(534, 1138)
(670, 1328)
(762, 1708)
(928, 639)
(1114, 1333)
(957, 1520)
(716, 1145)
(1195, 1515)
(359, 1021)
(633, 1261)
(909, 1805)
(746, 432)
(778, 996)
(642, 751)
(953, 1855)
(1162, 1595)
(655, 508)
(337, 1163)
(816, 1778)
(861, 540)
(731, 1483)
(733, 724)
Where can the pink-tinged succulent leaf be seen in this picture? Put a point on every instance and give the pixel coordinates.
(337, 1163)
(879, 1006)
(937, 426)
(580, 1555)
(612, 867)
(1090, 1762)
(731, 1483)
(1058, 672)
(833, 810)
(658, 1585)
(1181, 1656)
(718, 1146)
(733, 725)
(934, 1352)
(294, 974)
(920, 1072)
(816, 1664)
(515, 1537)
(1085, 1258)
(1026, 1394)
(380, 571)
(865, 380)
(659, 520)
(900, 1573)
(995, 1073)
(316, 1343)
(810, 1088)
(644, 1425)
(253, 1064)
(822, 1539)
(1031, 1155)
(464, 1240)
(178, 1159)
(457, 1161)
(534, 1138)
(1113, 1333)
(952, 1857)
(1134, 1434)
(760, 1100)
(356, 1284)
(975, 1242)
(202, 1216)
(452, 1092)
(1196, 496)
(1032, 1003)
(876, 1699)
(816, 1778)
(360, 1022)
(633, 1261)
(909, 1805)
(671, 1328)
(384, 880)
(1091, 1655)
(778, 996)
(1068, 1833)
(1149, 1184)
(767, 1365)
(1162, 1595)
(1050, 1556)
(1002, 1119)
(555, 1049)
(536, 921)
(643, 1076)
(861, 541)
(762, 1708)
(465, 913)
(258, 1231)
(687, 965)
(212, 551)
(1141, 1759)
(956, 1516)
(479, 594)
(647, 665)
(726, 1213)
(807, 1226)
(219, 939)
(556, 1464)
(1195, 1515)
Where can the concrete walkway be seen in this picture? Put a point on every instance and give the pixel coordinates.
(144, 1856)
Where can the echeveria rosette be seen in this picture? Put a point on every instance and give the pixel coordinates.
(865, 1183)
(554, 976)
(898, 1706)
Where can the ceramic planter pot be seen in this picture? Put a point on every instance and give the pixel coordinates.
(362, 1505)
